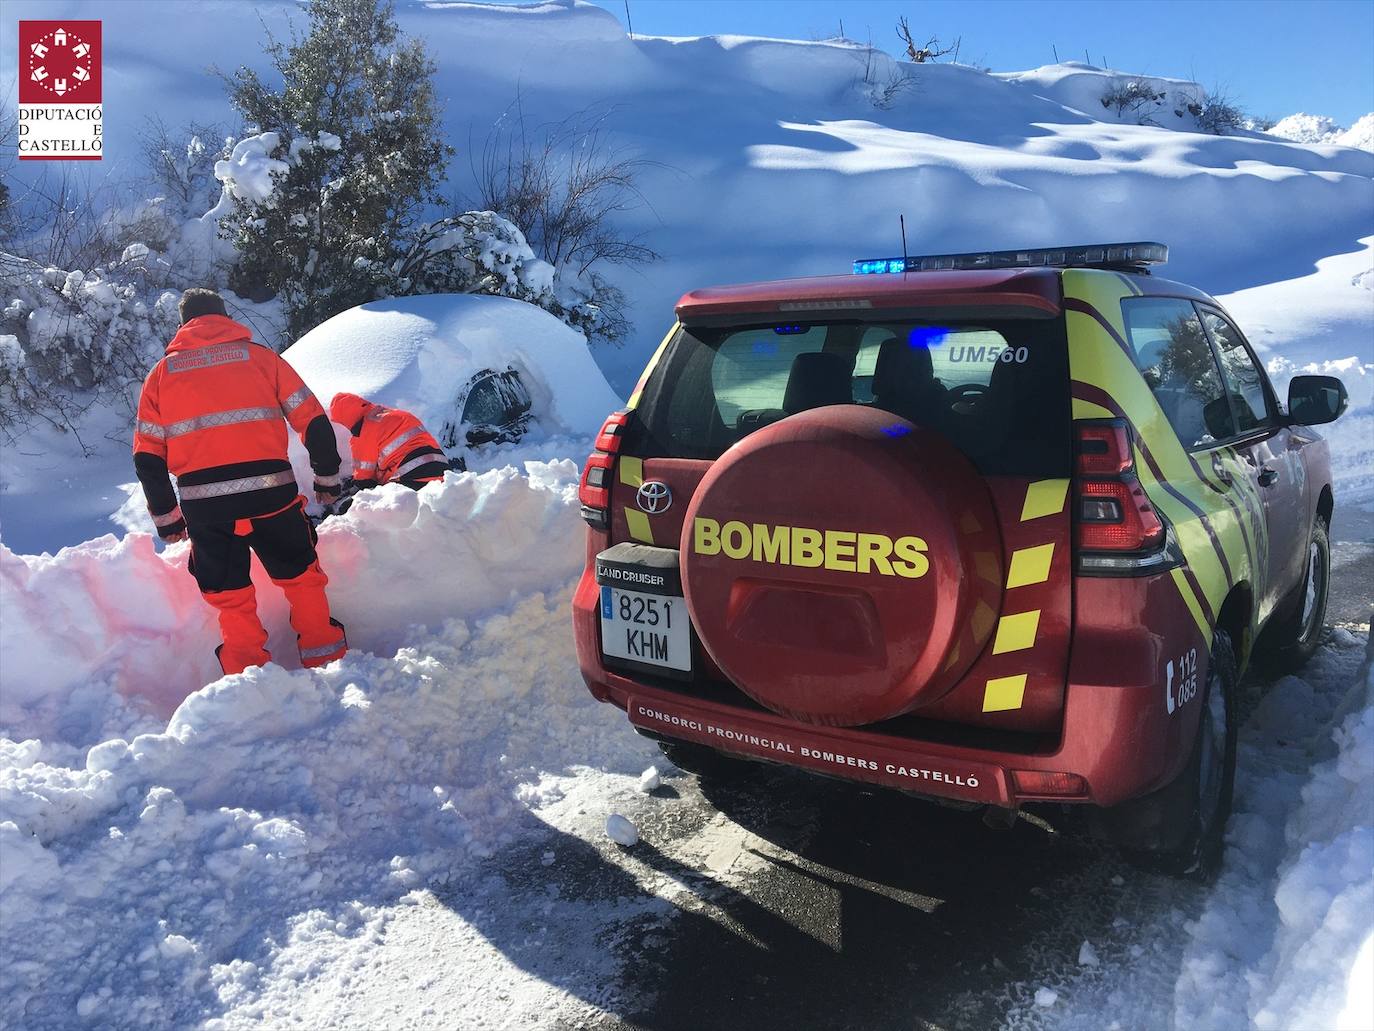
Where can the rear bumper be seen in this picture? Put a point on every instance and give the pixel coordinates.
(1117, 736)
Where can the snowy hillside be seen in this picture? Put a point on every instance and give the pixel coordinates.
(414, 836)
(770, 158)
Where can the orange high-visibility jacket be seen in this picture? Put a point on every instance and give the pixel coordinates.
(214, 413)
(388, 444)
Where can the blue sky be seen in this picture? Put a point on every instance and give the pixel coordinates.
(1274, 58)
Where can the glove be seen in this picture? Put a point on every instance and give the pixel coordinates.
(328, 488)
(171, 526)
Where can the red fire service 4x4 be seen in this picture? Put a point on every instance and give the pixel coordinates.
(995, 528)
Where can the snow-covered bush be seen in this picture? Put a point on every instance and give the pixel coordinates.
(181, 165)
(563, 184)
(1133, 98)
(347, 156)
(1215, 112)
(71, 339)
(475, 252)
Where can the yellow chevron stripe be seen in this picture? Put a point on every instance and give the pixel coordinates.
(1043, 498)
(1002, 694)
(1030, 565)
(631, 471)
(1016, 632)
(632, 476)
(638, 524)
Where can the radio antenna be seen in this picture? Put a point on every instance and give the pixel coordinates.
(902, 220)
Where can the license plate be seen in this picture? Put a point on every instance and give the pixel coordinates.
(648, 628)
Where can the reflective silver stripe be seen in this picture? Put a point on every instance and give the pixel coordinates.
(174, 516)
(328, 481)
(151, 429)
(230, 418)
(295, 400)
(322, 650)
(364, 465)
(201, 491)
(415, 463)
(390, 449)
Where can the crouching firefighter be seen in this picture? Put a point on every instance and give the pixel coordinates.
(389, 445)
(214, 413)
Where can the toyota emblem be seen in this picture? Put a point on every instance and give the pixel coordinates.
(654, 497)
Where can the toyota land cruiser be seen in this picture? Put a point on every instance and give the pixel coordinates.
(996, 528)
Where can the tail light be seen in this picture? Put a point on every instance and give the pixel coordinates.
(594, 491)
(1041, 782)
(1118, 531)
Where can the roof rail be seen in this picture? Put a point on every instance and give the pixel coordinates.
(1120, 257)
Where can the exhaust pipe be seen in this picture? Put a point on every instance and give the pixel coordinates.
(1000, 818)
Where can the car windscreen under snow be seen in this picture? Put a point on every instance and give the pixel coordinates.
(997, 388)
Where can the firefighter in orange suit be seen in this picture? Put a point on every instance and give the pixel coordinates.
(389, 445)
(214, 413)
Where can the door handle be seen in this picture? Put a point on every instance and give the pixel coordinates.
(1268, 477)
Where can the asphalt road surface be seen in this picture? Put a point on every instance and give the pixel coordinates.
(811, 903)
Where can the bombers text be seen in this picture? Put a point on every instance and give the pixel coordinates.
(846, 551)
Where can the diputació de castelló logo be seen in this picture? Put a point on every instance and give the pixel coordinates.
(60, 111)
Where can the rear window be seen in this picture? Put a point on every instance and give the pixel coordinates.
(996, 388)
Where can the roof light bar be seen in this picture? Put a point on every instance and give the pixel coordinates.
(1129, 257)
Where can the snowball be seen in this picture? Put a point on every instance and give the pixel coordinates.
(1046, 997)
(650, 779)
(1087, 955)
(621, 830)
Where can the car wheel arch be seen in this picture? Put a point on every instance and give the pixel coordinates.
(1326, 504)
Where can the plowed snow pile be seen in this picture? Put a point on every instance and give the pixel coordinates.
(151, 875)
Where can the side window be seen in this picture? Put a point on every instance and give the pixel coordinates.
(1244, 381)
(1172, 353)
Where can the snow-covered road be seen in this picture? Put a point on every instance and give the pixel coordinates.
(782, 900)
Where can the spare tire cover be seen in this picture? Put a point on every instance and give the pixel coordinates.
(842, 566)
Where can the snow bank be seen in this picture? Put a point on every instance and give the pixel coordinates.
(1283, 939)
(112, 623)
(1304, 128)
(160, 875)
(419, 353)
(157, 881)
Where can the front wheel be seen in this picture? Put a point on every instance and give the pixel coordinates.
(1178, 829)
(1294, 638)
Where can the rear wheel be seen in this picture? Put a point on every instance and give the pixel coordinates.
(1294, 638)
(1178, 829)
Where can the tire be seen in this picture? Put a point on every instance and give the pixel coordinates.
(1178, 829)
(1294, 638)
(705, 763)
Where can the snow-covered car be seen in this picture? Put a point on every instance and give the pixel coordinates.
(477, 370)
(997, 528)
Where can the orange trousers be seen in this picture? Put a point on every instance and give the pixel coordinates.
(284, 541)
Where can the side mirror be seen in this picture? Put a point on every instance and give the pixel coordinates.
(1313, 400)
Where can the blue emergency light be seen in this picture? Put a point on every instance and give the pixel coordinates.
(1122, 257)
